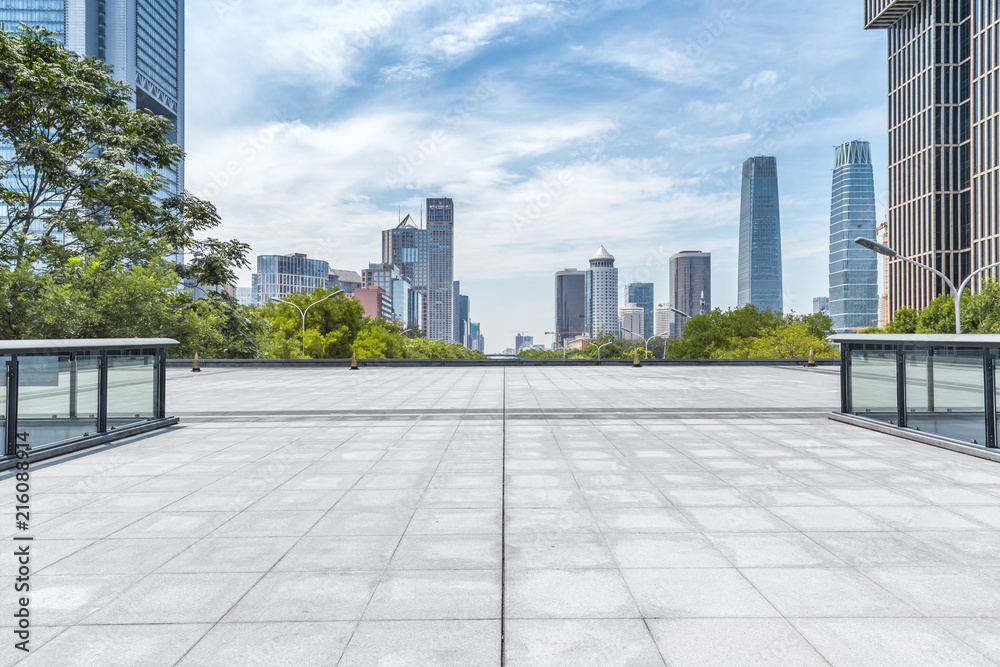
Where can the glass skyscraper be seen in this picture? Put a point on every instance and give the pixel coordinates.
(944, 129)
(760, 237)
(571, 305)
(281, 275)
(641, 294)
(690, 287)
(853, 269)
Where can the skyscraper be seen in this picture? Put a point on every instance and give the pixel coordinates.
(690, 286)
(760, 237)
(571, 305)
(641, 294)
(440, 269)
(944, 124)
(460, 306)
(631, 321)
(603, 293)
(142, 39)
(281, 275)
(853, 270)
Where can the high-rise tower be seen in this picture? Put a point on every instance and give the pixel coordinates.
(603, 293)
(944, 122)
(690, 286)
(440, 269)
(760, 236)
(853, 269)
(571, 305)
(641, 294)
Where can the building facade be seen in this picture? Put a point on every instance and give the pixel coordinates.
(641, 294)
(376, 302)
(143, 40)
(690, 287)
(944, 167)
(571, 305)
(278, 276)
(603, 294)
(631, 321)
(821, 304)
(461, 309)
(476, 340)
(344, 279)
(405, 247)
(664, 325)
(440, 269)
(853, 300)
(760, 237)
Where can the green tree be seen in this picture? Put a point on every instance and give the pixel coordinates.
(331, 326)
(89, 227)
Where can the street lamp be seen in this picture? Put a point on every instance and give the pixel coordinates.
(599, 350)
(289, 303)
(956, 292)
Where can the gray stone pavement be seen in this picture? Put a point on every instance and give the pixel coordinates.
(537, 516)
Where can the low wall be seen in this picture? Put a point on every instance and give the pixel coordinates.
(458, 363)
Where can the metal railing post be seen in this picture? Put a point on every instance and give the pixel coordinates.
(160, 384)
(73, 385)
(845, 379)
(900, 388)
(989, 369)
(102, 393)
(10, 441)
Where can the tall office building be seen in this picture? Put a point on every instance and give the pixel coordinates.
(405, 247)
(631, 321)
(664, 320)
(760, 237)
(440, 268)
(460, 306)
(476, 340)
(571, 305)
(690, 286)
(821, 304)
(281, 275)
(641, 294)
(142, 39)
(603, 293)
(853, 301)
(944, 128)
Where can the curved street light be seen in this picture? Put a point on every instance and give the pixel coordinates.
(956, 291)
(599, 349)
(289, 303)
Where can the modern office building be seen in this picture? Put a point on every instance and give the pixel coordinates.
(821, 304)
(440, 268)
(571, 305)
(379, 275)
(425, 257)
(853, 301)
(690, 287)
(244, 296)
(407, 303)
(631, 321)
(345, 280)
(944, 129)
(461, 309)
(664, 325)
(142, 39)
(523, 342)
(476, 340)
(602, 282)
(760, 237)
(278, 276)
(641, 294)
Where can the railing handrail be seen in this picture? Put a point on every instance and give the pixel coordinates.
(56, 346)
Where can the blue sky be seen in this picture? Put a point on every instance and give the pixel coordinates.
(556, 127)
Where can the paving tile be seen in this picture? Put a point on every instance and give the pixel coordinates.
(436, 595)
(752, 642)
(825, 592)
(447, 552)
(175, 598)
(735, 519)
(557, 550)
(665, 550)
(124, 556)
(942, 591)
(175, 524)
(306, 596)
(317, 553)
(605, 642)
(886, 641)
(446, 643)
(231, 554)
(66, 600)
(302, 644)
(829, 519)
(696, 593)
(881, 549)
(455, 522)
(277, 523)
(774, 550)
(568, 594)
(118, 645)
(363, 522)
(642, 520)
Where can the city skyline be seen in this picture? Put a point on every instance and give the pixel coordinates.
(335, 100)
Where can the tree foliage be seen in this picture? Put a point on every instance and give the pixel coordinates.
(87, 223)
(751, 333)
(980, 314)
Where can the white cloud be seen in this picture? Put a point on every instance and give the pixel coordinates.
(765, 79)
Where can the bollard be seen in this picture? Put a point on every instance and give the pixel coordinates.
(812, 358)
(635, 359)
(354, 360)
(196, 367)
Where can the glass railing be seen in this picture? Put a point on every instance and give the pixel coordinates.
(943, 384)
(59, 392)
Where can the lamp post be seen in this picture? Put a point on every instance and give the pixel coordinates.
(289, 303)
(956, 292)
(599, 350)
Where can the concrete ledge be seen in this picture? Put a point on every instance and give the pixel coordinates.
(919, 436)
(121, 433)
(459, 363)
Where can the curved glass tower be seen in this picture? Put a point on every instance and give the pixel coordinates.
(853, 269)
(760, 236)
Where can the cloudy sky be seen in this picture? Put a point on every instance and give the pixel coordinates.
(557, 126)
